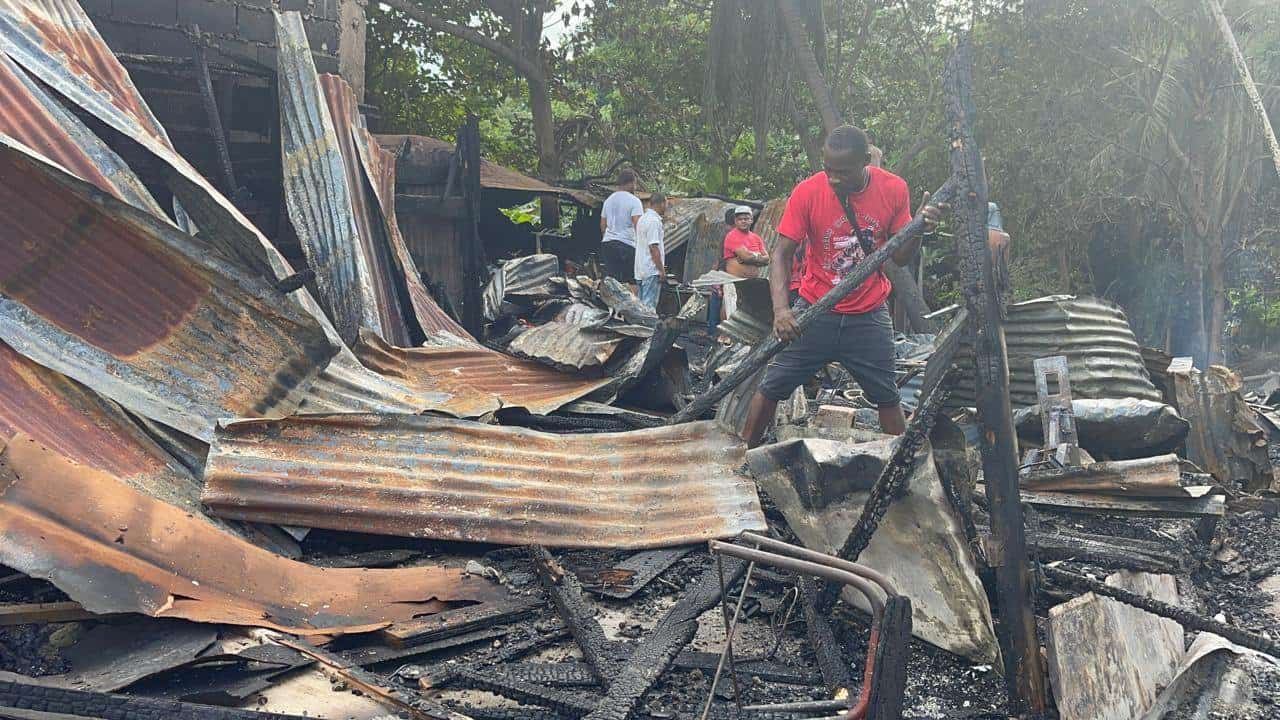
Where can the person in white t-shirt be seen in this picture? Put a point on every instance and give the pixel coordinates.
(618, 219)
(651, 251)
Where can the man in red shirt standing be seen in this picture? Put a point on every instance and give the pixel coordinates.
(858, 333)
(744, 252)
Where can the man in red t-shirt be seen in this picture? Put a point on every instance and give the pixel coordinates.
(858, 333)
(744, 252)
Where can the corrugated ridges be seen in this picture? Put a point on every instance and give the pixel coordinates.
(422, 476)
(566, 345)
(1103, 355)
(139, 311)
(316, 193)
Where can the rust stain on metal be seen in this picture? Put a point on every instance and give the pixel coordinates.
(117, 550)
(141, 312)
(438, 478)
(480, 380)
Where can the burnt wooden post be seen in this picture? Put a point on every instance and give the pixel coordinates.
(1016, 627)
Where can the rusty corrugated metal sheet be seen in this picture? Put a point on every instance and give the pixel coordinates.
(479, 380)
(319, 200)
(76, 422)
(422, 476)
(29, 115)
(374, 243)
(113, 550)
(134, 308)
(380, 170)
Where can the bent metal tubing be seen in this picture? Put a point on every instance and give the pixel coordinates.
(809, 562)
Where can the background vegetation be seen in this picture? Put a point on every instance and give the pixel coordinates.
(1119, 144)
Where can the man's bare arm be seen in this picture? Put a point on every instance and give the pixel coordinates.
(746, 257)
(657, 259)
(784, 321)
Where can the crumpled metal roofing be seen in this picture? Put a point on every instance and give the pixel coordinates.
(134, 308)
(429, 477)
(566, 345)
(74, 421)
(116, 550)
(527, 276)
(320, 202)
(477, 379)
(1102, 353)
(29, 115)
(380, 170)
(684, 216)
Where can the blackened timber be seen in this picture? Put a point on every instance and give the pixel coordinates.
(561, 674)
(1184, 617)
(535, 639)
(377, 654)
(891, 484)
(892, 650)
(659, 649)
(944, 354)
(763, 669)
(1106, 551)
(1024, 668)
(836, 674)
(566, 595)
(760, 356)
(573, 705)
(104, 706)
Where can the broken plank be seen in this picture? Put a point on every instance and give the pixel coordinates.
(574, 705)
(636, 572)
(764, 669)
(836, 673)
(561, 674)
(55, 612)
(15, 692)
(1205, 505)
(456, 622)
(1152, 477)
(535, 639)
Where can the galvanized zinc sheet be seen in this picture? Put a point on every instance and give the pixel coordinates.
(1102, 353)
(477, 379)
(566, 346)
(421, 476)
(315, 188)
(393, 315)
(113, 549)
(134, 308)
(703, 232)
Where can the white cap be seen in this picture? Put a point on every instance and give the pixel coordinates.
(742, 210)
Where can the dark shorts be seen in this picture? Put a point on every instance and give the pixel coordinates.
(862, 343)
(619, 261)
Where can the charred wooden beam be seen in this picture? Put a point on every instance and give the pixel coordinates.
(457, 622)
(378, 654)
(1189, 620)
(633, 574)
(1024, 667)
(566, 595)
(772, 346)
(66, 704)
(659, 649)
(535, 639)
(1203, 504)
(569, 704)
(1106, 551)
(890, 485)
(892, 651)
(836, 674)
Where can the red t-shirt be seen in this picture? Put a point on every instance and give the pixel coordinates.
(741, 239)
(814, 216)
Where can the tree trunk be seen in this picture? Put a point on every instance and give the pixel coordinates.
(807, 63)
(812, 148)
(544, 133)
(1194, 336)
(1246, 79)
(1216, 293)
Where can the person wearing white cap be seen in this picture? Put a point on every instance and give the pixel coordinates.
(744, 252)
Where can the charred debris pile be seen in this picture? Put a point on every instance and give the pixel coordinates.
(234, 489)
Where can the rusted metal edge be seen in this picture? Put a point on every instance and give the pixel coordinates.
(117, 550)
(439, 478)
(134, 308)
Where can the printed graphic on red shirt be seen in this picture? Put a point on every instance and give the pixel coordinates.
(815, 217)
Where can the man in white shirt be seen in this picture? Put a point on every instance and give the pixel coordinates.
(618, 219)
(651, 251)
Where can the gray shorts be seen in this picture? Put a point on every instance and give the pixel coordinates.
(862, 343)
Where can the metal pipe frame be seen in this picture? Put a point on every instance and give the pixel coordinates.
(870, 583)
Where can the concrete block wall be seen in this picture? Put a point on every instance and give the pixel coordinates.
(243, 30)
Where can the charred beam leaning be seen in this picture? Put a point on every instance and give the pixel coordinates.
(1024, 668)
(772, 346)
(657, 651)
(566, 595)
